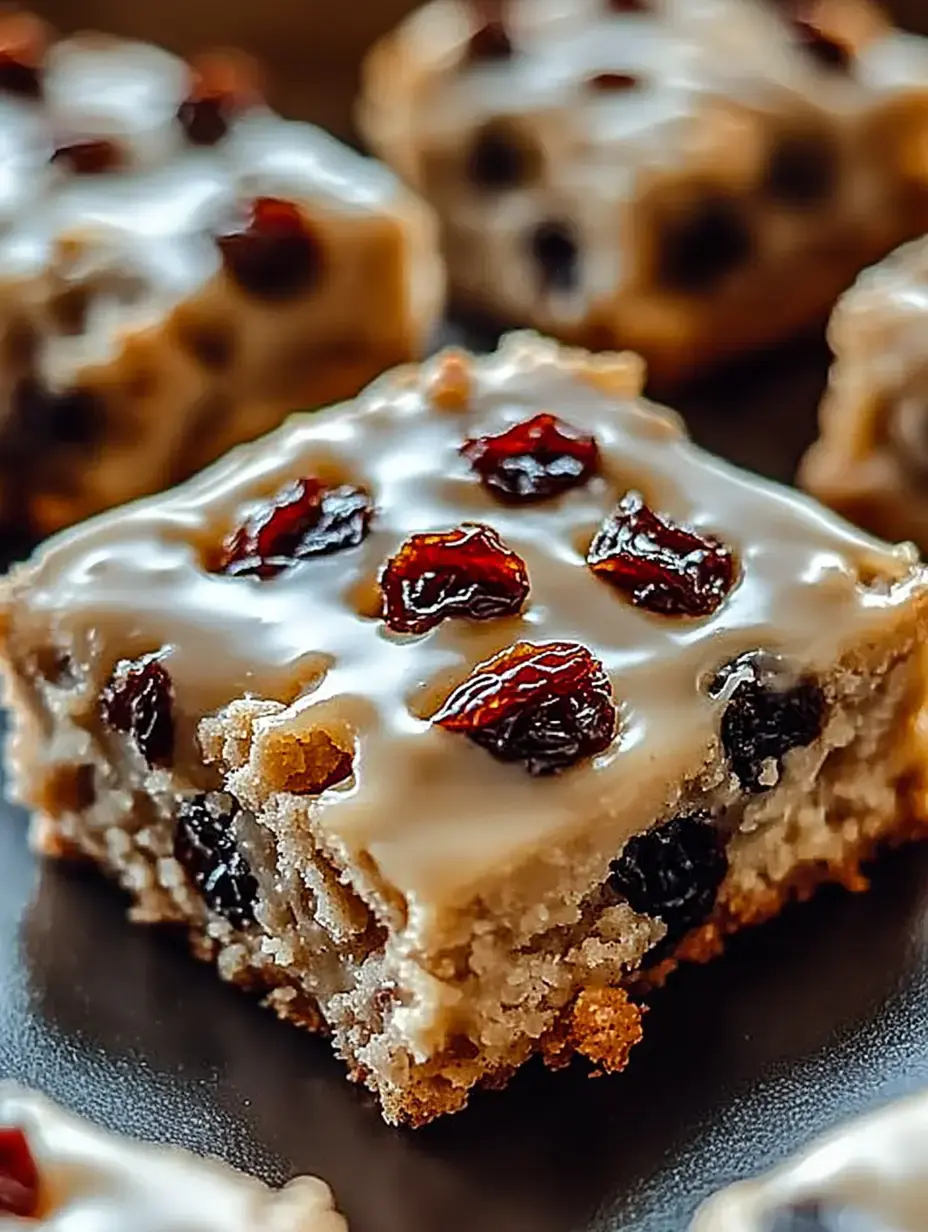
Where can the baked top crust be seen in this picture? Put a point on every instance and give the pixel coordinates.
(435, 815)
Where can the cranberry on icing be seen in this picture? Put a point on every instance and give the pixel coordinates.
(546, 706)
(271, 253)
(89, 157)
(19, 1176)
(468, 572)
(537, 458)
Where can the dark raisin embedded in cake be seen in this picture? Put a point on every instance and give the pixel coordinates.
(303, 520)
(490, 41)
(91, 157)
(22, 50)
(468, 572)
(139, 701)
(659, 565)
(19, 1176)
(204, 845)
(613, 82)
(768, 713)
(701, 247)
(222, 87)
(537, 458)
(554, 249)
(803, 170)
(673, 872)
(826, 50)
(502, 157)
(545, 705)
(272, 254)
(40, 419)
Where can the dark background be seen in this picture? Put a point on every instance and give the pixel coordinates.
(810, 1019)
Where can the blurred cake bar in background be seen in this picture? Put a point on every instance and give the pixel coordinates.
(59, 1171)
(690, 178)
(443, 717)
(871, 459)
(870, 1175)
(179, 267)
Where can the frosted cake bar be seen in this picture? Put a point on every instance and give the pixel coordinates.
(179, 267)
(59, 1171)
(448, 717)
(689, 178)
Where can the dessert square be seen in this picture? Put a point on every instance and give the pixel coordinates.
(450, 719)
(693, 179)
(179, 267)
(870, 461)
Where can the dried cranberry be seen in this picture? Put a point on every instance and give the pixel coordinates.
(464, 572)
(673, 871)
(659, 565)
(139, 701)
(539, 457)
(222, 87)
(22, 49)
(304, 519)
(613, 82)
(629, 6)
(19, 1176)
(272, 253)
(89, 157)
(545, 705)
(204, 845)
(768, 713)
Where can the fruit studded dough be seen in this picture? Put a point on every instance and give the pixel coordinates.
(689, 178)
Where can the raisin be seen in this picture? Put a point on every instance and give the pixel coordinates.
(613, 82)
(673, 872)
(490, 41)
(22, 49)
(302, 520)
(40, 419)
(501, 158)
(468, 571)
(138, 700)
(537, 458)
(222, 87)
(827, 51)
(803, 170)
(554, 249)
(768, 713)
(546, 705)
(271, 253)
(204, 845)
(700, 248)
(19, 1176)
(89, 157)
(629, 6)
(659, 565)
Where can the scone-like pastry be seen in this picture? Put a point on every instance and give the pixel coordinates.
(689, 178)
(179, 267)
(870, 1175)
(59, 1171)
(440, 715)
(870, 461)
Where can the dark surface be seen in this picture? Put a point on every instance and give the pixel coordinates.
(812, 1018)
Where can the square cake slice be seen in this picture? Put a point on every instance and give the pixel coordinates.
(179, 268)
(452, 717)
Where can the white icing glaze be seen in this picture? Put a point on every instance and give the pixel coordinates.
(434, 812)
(95, 1181)
(877, 1165)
